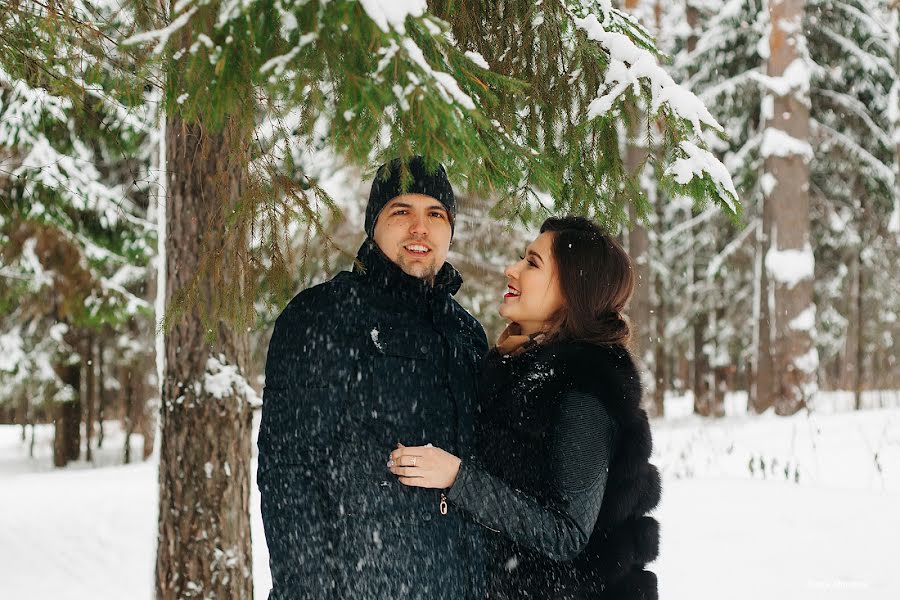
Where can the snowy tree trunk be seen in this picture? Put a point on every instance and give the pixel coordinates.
(788, 258)
(204, 470)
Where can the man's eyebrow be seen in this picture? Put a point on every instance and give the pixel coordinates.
(531, 252)
(400, 205)
(438, 207)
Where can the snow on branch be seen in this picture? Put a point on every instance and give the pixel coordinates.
(391, 14)
(447, 85)
(161, 35)
(11, 353)
(869, 62)
(278, 63)
(883, 171)
(719, 259)
(115, 288)
(24, 108)
(861, 111)
(697, 162)
(75, 178)
(629, 65)
(634, 67)
(728, 86)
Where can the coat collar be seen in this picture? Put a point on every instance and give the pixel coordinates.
(388, 277)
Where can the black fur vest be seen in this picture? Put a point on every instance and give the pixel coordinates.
(518, 398)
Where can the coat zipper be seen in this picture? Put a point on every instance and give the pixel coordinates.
(443, 504)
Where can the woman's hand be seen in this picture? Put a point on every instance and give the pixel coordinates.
(424, 466)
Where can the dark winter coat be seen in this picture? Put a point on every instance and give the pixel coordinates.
(562, 476)
(355, 365)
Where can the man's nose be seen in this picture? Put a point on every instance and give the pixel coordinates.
(419, 226)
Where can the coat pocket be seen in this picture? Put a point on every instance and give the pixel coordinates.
(396, 378)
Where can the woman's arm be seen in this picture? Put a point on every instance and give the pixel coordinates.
(559, 527)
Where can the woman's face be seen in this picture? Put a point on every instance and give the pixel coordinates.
(534, 294)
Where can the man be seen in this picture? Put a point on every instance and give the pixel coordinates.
(376, 356)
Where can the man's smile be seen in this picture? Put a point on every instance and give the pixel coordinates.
(417, 250)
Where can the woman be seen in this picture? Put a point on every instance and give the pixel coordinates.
(561, 472)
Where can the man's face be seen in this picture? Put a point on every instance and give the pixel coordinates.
(413, 230)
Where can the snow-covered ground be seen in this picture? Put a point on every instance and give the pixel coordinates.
(806, 507)
(817, 516)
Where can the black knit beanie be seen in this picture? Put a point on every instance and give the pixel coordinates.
(386, 187)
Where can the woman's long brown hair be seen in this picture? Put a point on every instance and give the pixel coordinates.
(596, 279)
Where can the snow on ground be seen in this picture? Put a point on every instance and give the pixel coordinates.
(831, 532)
(806, 507)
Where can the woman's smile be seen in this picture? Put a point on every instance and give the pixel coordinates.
(512, 292)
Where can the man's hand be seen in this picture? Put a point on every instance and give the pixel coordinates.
(424, 466)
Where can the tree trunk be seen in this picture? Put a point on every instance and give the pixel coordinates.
(700, 371)
(90, 392)
(659, 300)
(895, 26)
(659, 359)
(860, 344)
(62, 433)
(22, 411)
(146, 407)
(101, 392)
(700, 363)
(126, 395)
(639, 306)
(762, 395)
(204, 470)
(788, 257)
(639, 249)
(849, 364)
(720, 369)
(67, 418)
